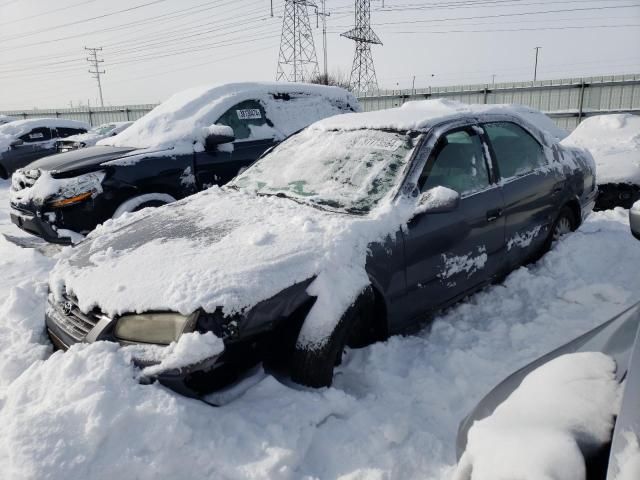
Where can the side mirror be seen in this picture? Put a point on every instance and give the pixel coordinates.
(634, 219)
(437, 200)
(216, 135)
(16, 143)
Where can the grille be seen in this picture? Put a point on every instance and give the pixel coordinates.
(68, 316)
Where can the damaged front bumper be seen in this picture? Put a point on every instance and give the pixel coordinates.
(31, 222)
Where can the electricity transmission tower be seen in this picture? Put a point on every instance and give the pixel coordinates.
(96, 72)
(363, 74)
(297, 61)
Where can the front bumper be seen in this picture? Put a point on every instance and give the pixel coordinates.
(32, 223)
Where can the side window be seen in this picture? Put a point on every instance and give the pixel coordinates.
(457, 163)
(37, 135)
(517, 152)
(67, 132)
(246, 118)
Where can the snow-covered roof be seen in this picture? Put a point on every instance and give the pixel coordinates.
(422, 114)
(20, 127)
(10, 131)
(6, 119)
(179, 120)
(614, 142)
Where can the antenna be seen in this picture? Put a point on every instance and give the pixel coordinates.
(94, 62)
(297, 61)
(363, 74)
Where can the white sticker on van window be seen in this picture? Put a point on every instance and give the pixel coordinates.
(249, 114)
(33, 136)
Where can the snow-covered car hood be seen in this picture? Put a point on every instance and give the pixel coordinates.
(614, 142)
(221, 248)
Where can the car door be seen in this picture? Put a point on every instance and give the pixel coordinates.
(530, 188)
(449, 254)
(37, 143)
(254, 134)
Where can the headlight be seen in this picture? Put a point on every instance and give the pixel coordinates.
(77, 189)
(160, 328)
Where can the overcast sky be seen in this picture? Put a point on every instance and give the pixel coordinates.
(164, 46)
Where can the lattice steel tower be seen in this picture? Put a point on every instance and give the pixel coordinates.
(297, 61)
(363, 74)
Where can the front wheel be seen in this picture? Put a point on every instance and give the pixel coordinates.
(139, 202)
(313, 366)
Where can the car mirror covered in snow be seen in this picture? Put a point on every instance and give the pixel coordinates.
(634, 219)
(16, 143)
(216, 135)
(437, 200)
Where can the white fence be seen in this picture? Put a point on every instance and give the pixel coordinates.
(567, 100)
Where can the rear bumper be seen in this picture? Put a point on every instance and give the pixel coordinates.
(30, 222)
(588, 204)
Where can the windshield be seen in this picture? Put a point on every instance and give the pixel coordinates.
(349, 171)
(103, 129)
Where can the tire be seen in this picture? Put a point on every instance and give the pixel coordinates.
(314, 367)
(564, 224)
(135, 204)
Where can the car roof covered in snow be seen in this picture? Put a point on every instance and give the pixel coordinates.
(424, 114)
(20, 127)
(179, 121)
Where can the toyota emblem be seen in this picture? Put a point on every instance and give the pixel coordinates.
(67, 308)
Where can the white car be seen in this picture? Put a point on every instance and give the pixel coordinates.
(92, 137)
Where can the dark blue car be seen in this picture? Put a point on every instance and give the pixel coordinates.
(359, 227)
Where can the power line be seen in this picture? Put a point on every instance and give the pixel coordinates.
(56, 10)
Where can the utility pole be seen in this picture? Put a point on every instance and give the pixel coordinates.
(297, 60)
(324, 39)
(96, 72)
(363, 74)
(493, 79)
(535, 67)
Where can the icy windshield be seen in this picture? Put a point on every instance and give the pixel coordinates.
(348, 171)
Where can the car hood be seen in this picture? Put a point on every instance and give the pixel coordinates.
(220, 248)
(84, 159)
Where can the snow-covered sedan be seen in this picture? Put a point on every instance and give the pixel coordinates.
(92, 137)
(23, 141)
(614, 142)
(197, 138)
(358, 227)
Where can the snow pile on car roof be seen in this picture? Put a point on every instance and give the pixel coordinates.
(10, 131)
(420, 114)
(560, 410)
(6, 119)
(614, 142)
(179, 121)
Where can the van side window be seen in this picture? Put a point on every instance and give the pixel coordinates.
(40, 134)
(517, 152)
(63, 132)
(458, 163)
(244, 118)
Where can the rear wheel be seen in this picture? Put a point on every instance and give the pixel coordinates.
(313, 366)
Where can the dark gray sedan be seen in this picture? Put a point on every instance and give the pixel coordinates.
(361, 226)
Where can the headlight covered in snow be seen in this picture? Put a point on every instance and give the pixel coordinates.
(76, 189)
(160, 328)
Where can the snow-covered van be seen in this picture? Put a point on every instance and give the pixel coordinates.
(92, 137)
(197, 138)
(23, 141)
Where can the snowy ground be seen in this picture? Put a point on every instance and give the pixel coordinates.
(392, 413)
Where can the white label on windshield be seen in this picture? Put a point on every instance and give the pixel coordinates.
(36, 135)
(390, 144)
(249, 114)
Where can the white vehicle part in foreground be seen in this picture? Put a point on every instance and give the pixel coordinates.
(133, 203)
(559, 409)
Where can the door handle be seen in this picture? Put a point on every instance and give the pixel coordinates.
(494, 214)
